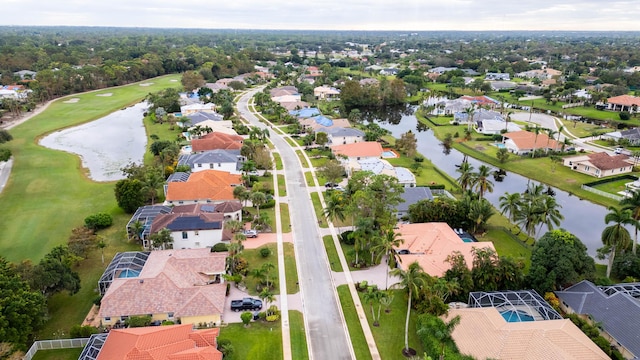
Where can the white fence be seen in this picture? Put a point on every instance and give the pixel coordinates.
(602, 193)
(54, 344)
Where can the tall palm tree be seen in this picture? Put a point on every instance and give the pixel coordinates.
(372, 296)
(466, 175)
(258, 198)
(550, 133)
(413, 279)
(560, 130)
(548, 211)
(633, 203)
(479, 213)
(469, 112)
(616, 237)
(510, 205)
(481, 180)
(242, 194)
(136, 230)
(536, 130)
(440, 330)
(387, 245)
(335, 209)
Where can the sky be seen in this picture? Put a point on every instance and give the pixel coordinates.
(416, 15)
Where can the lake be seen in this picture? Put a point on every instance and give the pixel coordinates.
(107, 144)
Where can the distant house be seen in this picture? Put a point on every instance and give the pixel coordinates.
(497, 76)
(25, 74)
(504, 85)
(431, 243)
(379, 166)
(357, 151)
(322, 122)
(441, 70)
(193, 108)
(632, 135)
(369, 82)
(525, 142)
(285, 94)
(223, 160)
(412, 195)
(616, 310)
(198, 116)
(170, 342)
(340, 135)
(600, 164)
(541, 74)
(185, 286)
(483, 100)
(305, 113)
(623, 103)
(389, 71)
(326, 93)
(192, 226)
(217, 140)
(203, 187)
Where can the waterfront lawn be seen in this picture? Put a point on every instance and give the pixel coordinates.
(426, 174)
(299, 348)
(614, 186)
(46, 183)
(260, 340)
(389, 335)
(358, 341)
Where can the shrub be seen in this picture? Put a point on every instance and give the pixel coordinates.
(272, 318)
(78, 331)
(225, 347)
(97, 301)
(246, 317)
(138, 321)
(265, 252)
(98, 221)
(624, 115)
(5, 154)
(5, 136)
(219, 247)
(418, 159)
(347, 237)
(626, 265)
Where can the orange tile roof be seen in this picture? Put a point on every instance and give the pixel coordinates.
(527, 140)
(361, 149)
(173, 342)
(625, 100)
(431, 243)
(211, 185)
(217, 140)
(483, 334)
(171, 281)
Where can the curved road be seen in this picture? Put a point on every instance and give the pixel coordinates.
(326, 333)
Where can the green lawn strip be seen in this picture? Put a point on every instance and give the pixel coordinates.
(58, 354)
(45, 183)
(285, 220)
(260, 340)
(255, 261)
(601, 271)
(358, 341)
(290, 268)
(317, 206)
(389, 335)
(278, 161)
(163, 132)
(614, 186)
(332, 253)
(303, 160)
(427, 174)
(318, 162)
(291, 142)
(309, 178)
(299, 348)
(282, 186)
(507, 246)
(271, 214)
(583, 129)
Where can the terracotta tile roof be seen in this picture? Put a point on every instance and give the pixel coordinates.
(625, 100)
(217, 140)
(171, 281)
(173, 342)
(604, 161)
(361, 149)
(211, 185)
(526, 140)
(483, 333)
(430, 243)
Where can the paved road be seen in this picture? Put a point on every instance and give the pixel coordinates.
(325, 328)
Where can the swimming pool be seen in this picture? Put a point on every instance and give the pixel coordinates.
(516, 316)
(500, 145)
(468, 240)
(389, 154)
(128, 273)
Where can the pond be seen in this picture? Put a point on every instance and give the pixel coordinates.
(105, 145)
(582, 218)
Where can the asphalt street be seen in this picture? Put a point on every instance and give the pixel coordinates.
(328, 338)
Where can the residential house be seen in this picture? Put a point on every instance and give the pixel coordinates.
(360, 150)
(223, 160)
(623, 103)
(192, 108)
(322, 122)
(505, 85)
(326, 93)
(224, 127)
(478, 116)
(202, 187)
(285, 94)
(517, 325)
(379, 166)
(525, 142)
(495, 126)
(191, 226)
(170, 342)
(305, 113)
(497, 76)
(185, 286)
(615, 309)
(541, 74)
(600, 164)
(196, 117)
(295, 105)
(389, 71)
(145, 215)
(215, 87)
(369, 82)
(217, 140)
(411, 196)
(441, 70)
(482, 101)
(632, 135)
(342, 135)
(25, 74)
(431, 243)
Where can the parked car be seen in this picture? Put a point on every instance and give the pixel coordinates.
(330, 185)
(246, 304)
(250, 233)
(618, 150)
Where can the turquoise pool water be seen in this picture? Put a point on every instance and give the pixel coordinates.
(500, 146)
(388, 154)
(129, 274)
(516, 316)
(467, 240)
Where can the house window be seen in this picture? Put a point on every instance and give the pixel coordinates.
(108, 319)
(210, 166)
(586, 168)
(219, 164)
(170, 315)
(200, 165)
(185, 235)
(124, 318)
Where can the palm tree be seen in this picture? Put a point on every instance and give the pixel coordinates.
(466, 175)
(267, 267)
(440, 330)
(550, 133)
(258, 198)
(242, 194)
(560, 130)
(469, 112)
(616, 237)
(535, 141)
(479, 212)
(413, 279)
(335, 210)
(510, 205)
(136, 230)
(161, 238)
(548, 211)
(101, 244)
(372, 296)
(267, 297)
(633, 203)
(387, 245)
(481, 180)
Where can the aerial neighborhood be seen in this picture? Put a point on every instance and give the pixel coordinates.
(254, 195)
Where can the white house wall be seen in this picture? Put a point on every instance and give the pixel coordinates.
(196, 239)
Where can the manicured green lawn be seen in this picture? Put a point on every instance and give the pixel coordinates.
(278, 161)
(358, 341)
(317, 206)
(389, 335)
(255, 261)
(284, 217)
(290, 268)
(282, 186)
(261, 340)
(60, 354)
(332, 253)
(303, 161)
(581, 129)
(427, 174)
(298, 339)
(614, 186)
(48, 193)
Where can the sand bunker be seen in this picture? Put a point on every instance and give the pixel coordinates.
(72, 101)
(104, 94)
(146, 84)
